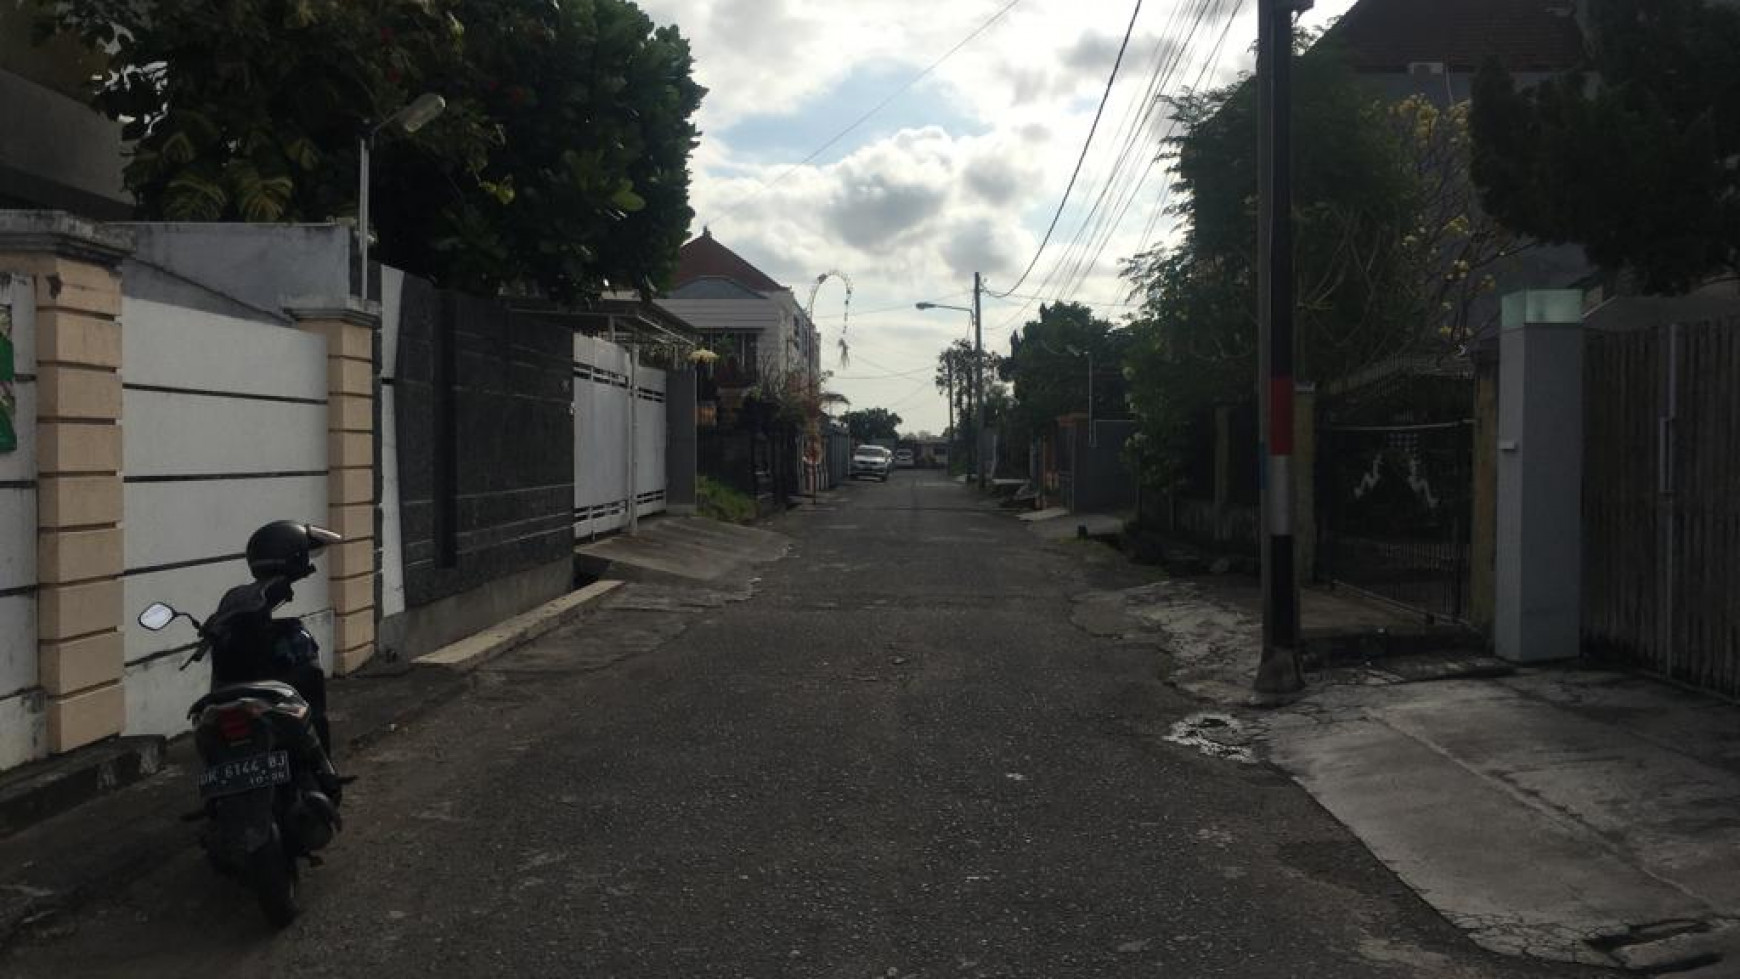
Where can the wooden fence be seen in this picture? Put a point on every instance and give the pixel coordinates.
(1660, 512)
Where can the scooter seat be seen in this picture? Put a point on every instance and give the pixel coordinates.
(273, 692)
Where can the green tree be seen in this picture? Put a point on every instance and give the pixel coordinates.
(1391, 250)
(1632, 159)
(868, 424)
(1049, 364)
(956, 369)
(559, 165)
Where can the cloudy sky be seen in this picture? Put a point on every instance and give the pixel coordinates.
(959, 172)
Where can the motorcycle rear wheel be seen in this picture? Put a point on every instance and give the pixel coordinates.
(272, 875)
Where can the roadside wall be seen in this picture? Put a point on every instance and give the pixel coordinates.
(481, 451)
(59, 274)
(179, 386)
(225, 429)
(22, 721)
(1102, 480)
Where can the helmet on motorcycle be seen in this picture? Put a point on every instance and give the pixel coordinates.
(286, 549)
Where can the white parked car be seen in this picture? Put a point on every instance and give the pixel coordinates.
(872, 462)
(903, 459)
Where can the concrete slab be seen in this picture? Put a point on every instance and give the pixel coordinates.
(1460, 785)
(1517, 880)
(470, 652)
(1673, 816)
(1686, 721)
(1049, 513)
(684, 548)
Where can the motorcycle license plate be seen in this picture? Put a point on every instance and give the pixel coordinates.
(245, 774)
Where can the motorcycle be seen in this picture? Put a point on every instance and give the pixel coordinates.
(268, 789)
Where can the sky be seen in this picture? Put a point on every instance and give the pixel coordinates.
(961, 171)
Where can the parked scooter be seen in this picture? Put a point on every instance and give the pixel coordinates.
(269, 792)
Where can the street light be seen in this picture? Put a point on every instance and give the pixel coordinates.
(977, 385)
(1075, 351)
(419, 113)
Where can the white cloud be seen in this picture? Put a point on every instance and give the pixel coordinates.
(911, 215)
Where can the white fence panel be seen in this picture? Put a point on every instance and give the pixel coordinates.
(651, 437)
(619, 437)
(22, 733)
(225, 431)
(601, 403)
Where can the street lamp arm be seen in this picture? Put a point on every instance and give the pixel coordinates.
(410, 118)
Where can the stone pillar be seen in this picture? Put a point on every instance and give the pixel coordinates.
(1305, 482)
(1483, 535)
(350, 412)
(1540, 477)
(79, 554)
(681, 441)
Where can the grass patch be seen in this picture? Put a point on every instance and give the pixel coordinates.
(716, 501)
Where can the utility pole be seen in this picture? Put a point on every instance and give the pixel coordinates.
(949, 375)
(1278, 670)
(979, 380)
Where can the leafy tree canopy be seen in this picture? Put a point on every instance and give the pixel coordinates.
(1635, 160)
(955, 373)
(560, 164)
(1049, 364)
(1391, 252)
(872, 423)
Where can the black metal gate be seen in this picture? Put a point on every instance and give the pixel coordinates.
(1394, 507)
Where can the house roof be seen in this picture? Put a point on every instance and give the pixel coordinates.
(704, 257)
(1524, 35)
(714, 315)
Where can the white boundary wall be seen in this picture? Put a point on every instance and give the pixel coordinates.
(22, 723)
(225, 430)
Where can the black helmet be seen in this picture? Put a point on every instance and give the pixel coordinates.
(286, 549)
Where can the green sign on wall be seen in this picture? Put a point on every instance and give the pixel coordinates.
(8, 400)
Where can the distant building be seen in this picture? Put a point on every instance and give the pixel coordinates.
(754, 323)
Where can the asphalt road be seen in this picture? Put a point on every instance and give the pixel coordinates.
(898, 758)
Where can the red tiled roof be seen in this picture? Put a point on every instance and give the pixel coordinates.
(1524, 35)
(704, 257)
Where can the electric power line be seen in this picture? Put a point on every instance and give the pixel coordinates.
(1172, 66)
(1085, 146)
(1104, 226)
(1160, 204)
(1136, 119)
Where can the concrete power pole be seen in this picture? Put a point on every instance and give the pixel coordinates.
(979, 380)
(1278, 670)
(949, 380)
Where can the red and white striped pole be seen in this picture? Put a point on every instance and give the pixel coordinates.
(1278, 671)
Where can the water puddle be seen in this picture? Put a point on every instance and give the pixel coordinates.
(1215, 735)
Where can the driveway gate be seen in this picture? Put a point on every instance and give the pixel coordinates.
(1394, 504)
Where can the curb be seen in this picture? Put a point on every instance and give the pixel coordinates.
(65, 783)
(473, 651)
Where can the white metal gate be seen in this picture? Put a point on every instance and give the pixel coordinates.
(619, 438)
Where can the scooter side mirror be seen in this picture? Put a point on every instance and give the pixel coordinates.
(156, 616)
